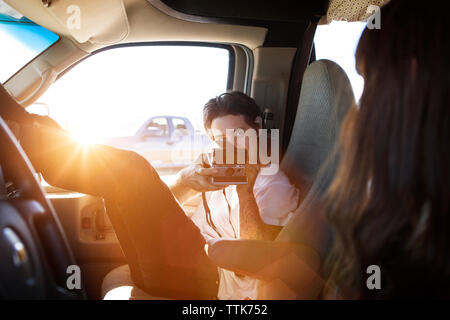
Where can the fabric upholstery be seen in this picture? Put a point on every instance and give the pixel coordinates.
(324, 99)
(351, 10)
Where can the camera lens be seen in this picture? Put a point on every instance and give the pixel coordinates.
(229, 171)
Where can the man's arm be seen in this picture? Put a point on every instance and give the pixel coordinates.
(182, 192)
(250, 223)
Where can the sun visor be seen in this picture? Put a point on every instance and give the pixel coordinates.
(99, 21)
(352, 10)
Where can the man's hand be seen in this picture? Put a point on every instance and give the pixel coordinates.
(198, 178)
(251, 171)
(192, 180)
(251, 224)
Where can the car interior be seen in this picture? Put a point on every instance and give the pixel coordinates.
(272, 58)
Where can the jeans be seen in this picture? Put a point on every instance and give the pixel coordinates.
(163, 247)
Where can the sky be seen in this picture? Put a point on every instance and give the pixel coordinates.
(338, 42)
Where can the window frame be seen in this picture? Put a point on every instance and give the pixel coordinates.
(167, 125)
(228, 47)
(230, 80)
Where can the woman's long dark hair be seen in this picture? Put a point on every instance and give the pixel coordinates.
(390, 200)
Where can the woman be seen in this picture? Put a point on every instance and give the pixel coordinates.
(390, 200)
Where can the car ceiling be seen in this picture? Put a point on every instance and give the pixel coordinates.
(252, 23)
(109, 22)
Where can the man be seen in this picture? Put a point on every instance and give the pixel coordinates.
(163, 247)
(256, 210)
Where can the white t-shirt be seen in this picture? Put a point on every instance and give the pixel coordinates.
(276, 198)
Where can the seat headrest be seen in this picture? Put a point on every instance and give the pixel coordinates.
(325, 98)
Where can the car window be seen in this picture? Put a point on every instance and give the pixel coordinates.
(179, 123)
(22, 39)
(158, 127)
(337, 42)
(180, 127)
(111, 97)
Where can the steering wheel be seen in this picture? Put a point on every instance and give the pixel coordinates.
(34, 253)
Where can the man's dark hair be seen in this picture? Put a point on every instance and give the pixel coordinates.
(234, 103)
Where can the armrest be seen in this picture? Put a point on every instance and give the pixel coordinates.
(295, 265)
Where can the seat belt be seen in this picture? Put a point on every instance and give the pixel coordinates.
(3, 192)
(267, 119)
(301, 61)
